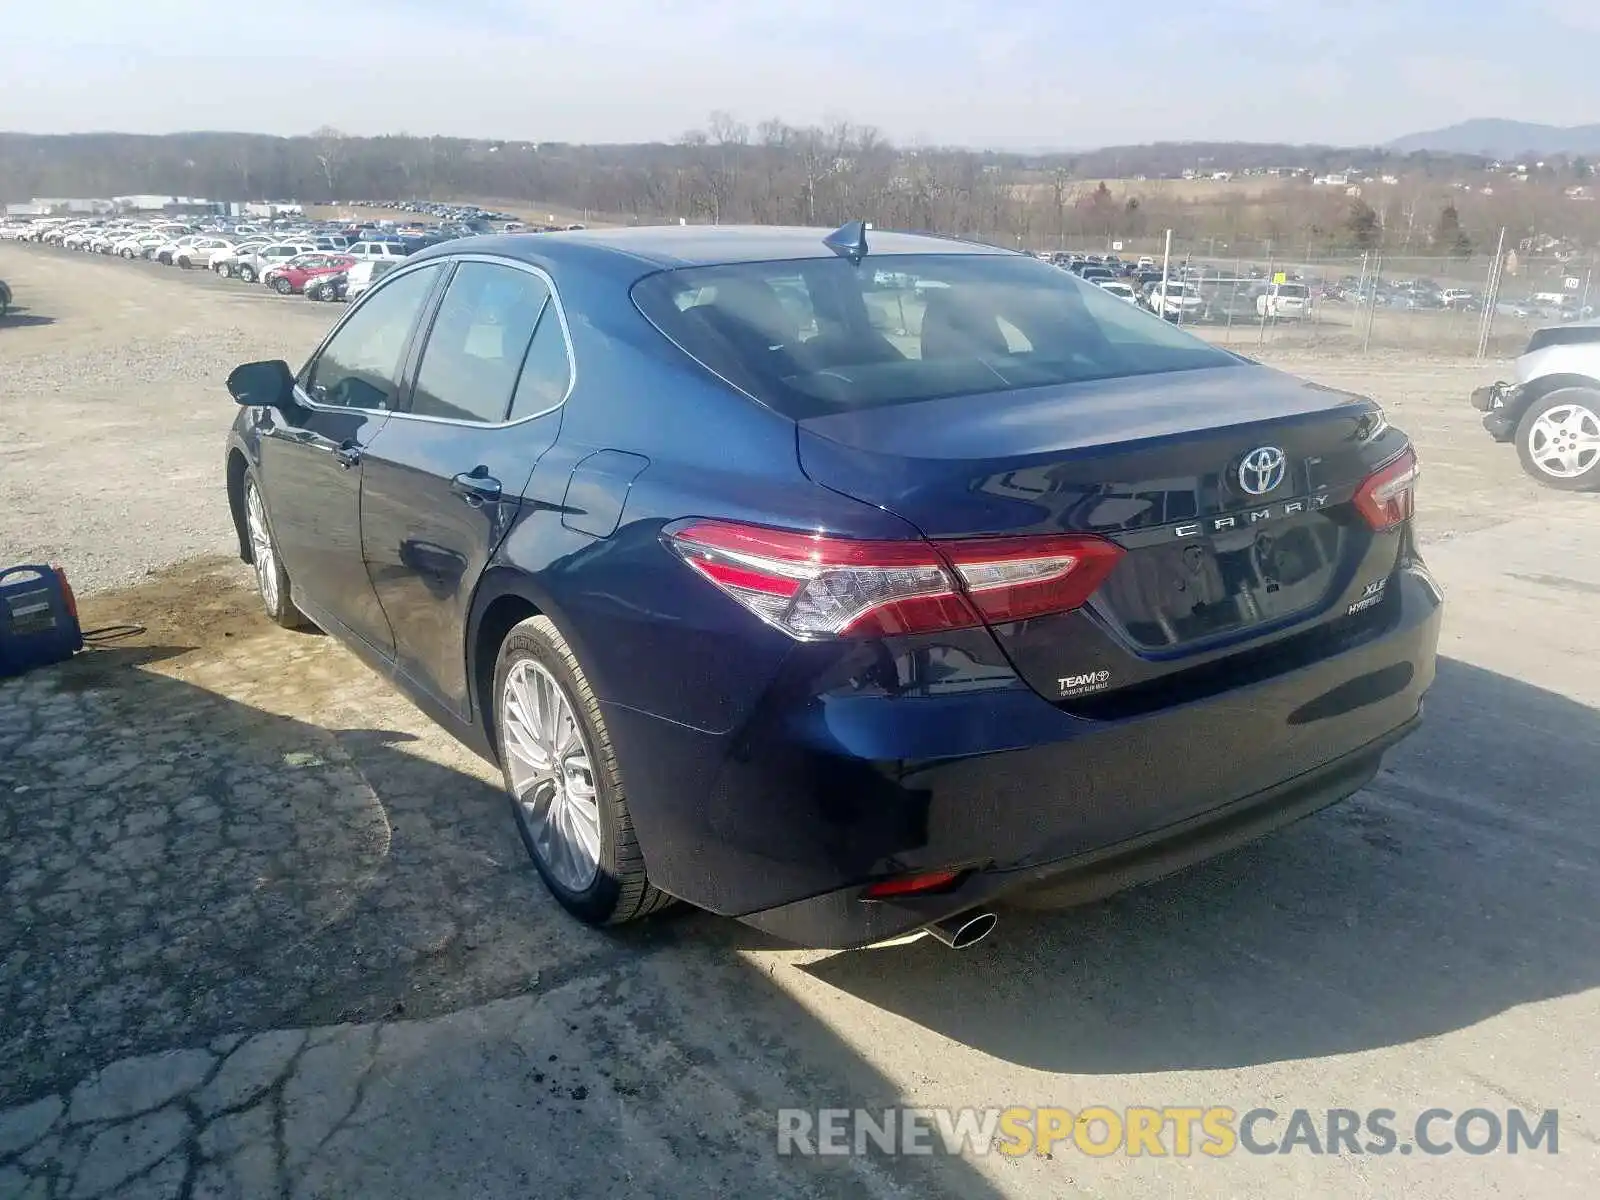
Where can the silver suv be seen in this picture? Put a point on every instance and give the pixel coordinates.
(1552, 410)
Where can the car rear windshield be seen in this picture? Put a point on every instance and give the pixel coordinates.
(1292, 291)
(819, 336)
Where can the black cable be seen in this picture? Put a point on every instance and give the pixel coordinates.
(110, 633)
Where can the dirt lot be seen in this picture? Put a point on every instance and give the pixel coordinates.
(266, 932)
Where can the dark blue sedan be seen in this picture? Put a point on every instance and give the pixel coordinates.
(841, 583)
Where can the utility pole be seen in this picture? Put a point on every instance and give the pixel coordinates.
(1166, 273)
(1486, 326)
(1261, 334)
(1372, 310)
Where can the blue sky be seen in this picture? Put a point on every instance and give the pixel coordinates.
(1015, 73)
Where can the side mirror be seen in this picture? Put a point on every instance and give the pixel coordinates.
(263, 384)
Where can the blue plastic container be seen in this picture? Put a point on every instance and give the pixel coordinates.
(38, 619)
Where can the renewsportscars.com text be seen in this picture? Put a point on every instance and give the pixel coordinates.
(1171, 1131)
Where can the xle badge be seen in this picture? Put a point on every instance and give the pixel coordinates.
(1370, 595)
(1082, 685)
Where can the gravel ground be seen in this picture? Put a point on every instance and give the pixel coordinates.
(113, 409)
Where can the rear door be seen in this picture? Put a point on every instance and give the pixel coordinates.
(442, 486)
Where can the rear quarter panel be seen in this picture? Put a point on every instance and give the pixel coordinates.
(651, 634)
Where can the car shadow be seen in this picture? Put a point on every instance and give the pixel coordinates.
(1458, 885)
(178, 866)
(17, 317)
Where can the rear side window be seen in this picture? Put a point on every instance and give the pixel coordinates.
(478, 342)
(819, 336)
(547, 371)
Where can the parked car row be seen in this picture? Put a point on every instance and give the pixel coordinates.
(329, 260)
(483, 219)
(1188, 292)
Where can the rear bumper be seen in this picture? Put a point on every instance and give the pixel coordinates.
(783, 822)
(1499, 404)
(842, 920)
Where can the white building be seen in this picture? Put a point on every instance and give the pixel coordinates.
(157, 203)
(41, 206)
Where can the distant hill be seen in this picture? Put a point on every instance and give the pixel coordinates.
(1496, 138)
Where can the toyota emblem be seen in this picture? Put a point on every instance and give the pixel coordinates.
(1262, 470)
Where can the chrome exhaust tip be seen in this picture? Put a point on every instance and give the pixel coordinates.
(964, 929)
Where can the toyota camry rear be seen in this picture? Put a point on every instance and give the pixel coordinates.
(848, 588)
(1127, 599)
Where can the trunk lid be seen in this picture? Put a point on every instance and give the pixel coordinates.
(1166, 466)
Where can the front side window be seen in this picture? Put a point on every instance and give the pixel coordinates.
(478, 342)
(358, 366)
(825, 335)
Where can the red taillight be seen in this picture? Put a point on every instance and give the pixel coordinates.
(910, 885)
(1388, 496)
(814, 586)
(1009, 579)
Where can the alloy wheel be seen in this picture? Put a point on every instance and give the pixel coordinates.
(262, 554)
(1565, 441)
(552, 774)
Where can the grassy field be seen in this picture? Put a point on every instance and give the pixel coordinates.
(1255, 187)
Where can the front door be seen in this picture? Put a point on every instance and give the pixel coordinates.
(442, 485)
(310, 459)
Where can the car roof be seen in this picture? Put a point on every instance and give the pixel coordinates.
(673, 246)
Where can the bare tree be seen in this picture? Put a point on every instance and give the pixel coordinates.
(827, 174)
(330, 153)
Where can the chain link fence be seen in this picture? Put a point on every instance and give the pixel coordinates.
(1480, 306)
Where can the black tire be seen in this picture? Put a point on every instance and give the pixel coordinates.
(621, 890)
(247, 273)
(1581, 398)
(282, 286)
(225, 270)
(185, 263)
(278, 606)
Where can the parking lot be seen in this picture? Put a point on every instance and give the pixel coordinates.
(266, 931)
